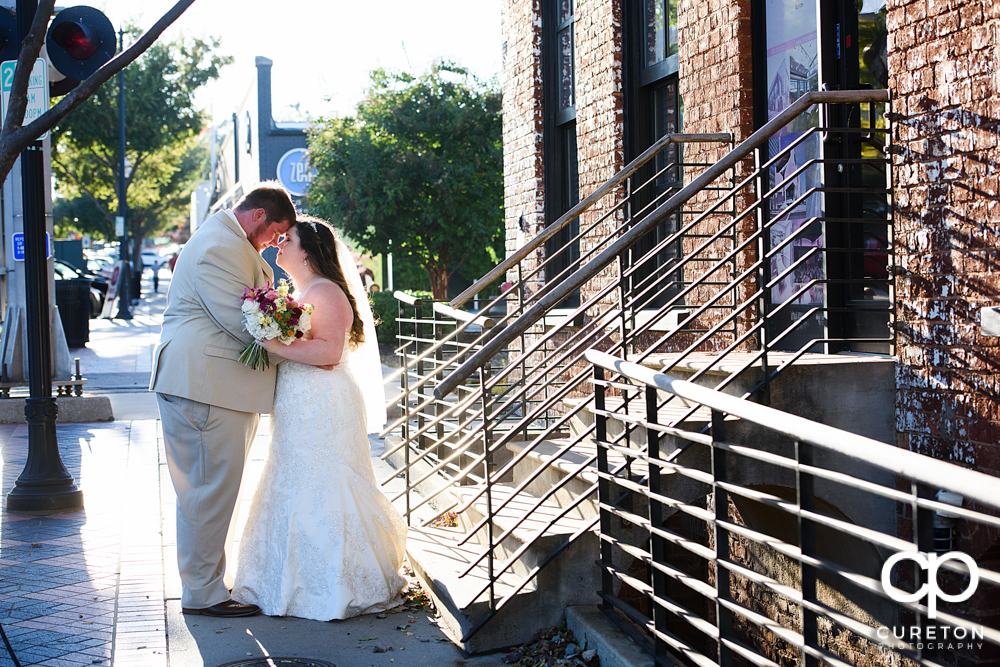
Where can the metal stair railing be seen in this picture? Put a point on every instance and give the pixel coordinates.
(718, 289)
(430, 412)
(710, 597)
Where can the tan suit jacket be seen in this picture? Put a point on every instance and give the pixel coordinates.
(203, 334)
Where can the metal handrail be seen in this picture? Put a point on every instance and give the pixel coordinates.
(974, 485)
(651, 221)
(570, 215)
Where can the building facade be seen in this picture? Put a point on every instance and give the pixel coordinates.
(257, 148)
(591, 84)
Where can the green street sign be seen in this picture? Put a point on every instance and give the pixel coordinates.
(38, 90)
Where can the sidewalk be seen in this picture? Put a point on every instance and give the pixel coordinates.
(99, 586)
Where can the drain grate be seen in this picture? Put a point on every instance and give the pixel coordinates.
(279, 662)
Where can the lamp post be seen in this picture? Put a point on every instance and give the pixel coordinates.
(125, 279)
(44, 484)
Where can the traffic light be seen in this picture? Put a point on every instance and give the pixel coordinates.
(8, 35)
(79, 41)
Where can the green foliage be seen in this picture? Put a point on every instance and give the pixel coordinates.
(80, 214)
(408, 274)
(386, 309)
(162, 125)
(418, 171)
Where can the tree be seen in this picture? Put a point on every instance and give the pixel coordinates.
(159, 198)
(162, 146)
(418, 171)
(80, 215)
(14, 137)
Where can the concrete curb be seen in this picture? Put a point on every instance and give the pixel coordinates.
(72, 409)
(593, 630)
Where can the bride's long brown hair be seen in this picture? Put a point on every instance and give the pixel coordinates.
(319, 242)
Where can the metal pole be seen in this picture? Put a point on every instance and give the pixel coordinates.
(125, 279)
(44, 484)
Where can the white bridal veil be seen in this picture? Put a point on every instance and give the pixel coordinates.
(365, 361)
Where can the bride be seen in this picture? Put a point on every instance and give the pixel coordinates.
(321, 540)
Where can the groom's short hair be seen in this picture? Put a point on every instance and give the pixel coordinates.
(273, 198)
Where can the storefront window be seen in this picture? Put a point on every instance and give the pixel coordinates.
(792, 71)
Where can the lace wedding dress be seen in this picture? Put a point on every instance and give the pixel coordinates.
(321, 540)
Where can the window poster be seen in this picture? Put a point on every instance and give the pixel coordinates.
(792, 71)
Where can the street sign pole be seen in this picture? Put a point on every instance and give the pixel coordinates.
(44, 484)
(125, 300)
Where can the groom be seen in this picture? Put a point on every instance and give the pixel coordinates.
(209, 401)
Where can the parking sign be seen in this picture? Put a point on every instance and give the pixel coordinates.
(38, 90)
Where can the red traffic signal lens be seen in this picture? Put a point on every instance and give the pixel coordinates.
(76, 42)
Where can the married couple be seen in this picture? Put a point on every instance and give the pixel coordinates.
(321, 541)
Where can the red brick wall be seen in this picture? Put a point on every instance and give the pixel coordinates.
(944, 65)
(716, 85)
(599, 116)
(524, 192)
(715, 70)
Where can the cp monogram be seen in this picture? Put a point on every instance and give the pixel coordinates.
(930, 562)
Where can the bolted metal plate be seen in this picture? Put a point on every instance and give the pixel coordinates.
(279, 662)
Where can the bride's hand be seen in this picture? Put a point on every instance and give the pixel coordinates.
(272, 346)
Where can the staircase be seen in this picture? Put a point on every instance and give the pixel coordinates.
(496, 441)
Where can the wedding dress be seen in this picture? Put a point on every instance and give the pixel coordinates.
(321, 540)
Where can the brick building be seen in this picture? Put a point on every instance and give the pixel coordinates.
(580, 102)
(591, 84)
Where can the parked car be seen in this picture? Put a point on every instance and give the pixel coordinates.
(101, 267)
(98, 285)
(153, 260)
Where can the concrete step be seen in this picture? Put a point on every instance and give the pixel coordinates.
(542, 529)
(583, 422)
(440, 479)
(437, 562)
(555, 467)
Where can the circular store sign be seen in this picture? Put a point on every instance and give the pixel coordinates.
(294, 172)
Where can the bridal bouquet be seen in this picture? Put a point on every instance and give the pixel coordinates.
(268, 313)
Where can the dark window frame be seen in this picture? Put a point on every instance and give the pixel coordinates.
(642, 82)
(560, 163)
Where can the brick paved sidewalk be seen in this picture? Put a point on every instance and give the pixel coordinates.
(86, 587)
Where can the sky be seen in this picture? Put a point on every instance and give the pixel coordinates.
(324, 50)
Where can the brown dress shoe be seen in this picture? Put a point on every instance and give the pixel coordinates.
(227, 609)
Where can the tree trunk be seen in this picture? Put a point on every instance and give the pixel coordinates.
(136, 253)
(439, 281)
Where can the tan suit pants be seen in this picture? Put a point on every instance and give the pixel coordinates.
(206, 449)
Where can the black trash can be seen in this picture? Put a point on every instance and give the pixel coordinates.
(135, 288)
(73, 299)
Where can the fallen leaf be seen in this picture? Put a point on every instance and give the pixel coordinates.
(381, 616)
(367, 639)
